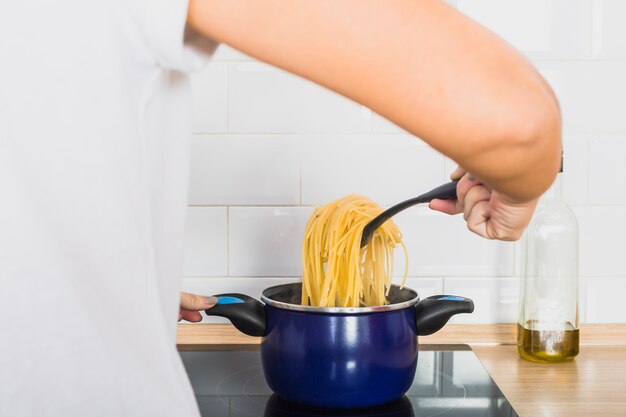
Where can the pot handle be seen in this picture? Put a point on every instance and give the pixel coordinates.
(245, 313)
(434, 312)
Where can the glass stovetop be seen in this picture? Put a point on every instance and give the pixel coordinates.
(448, 383)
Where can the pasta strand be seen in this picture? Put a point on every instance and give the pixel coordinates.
(337, 272)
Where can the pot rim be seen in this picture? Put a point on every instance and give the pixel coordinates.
(337, 310)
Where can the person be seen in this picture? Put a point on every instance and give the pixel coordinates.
(94, 106)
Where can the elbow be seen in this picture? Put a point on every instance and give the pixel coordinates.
(541, 144)
(527, 157)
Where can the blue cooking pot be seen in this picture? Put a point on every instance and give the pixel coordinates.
(339, 357)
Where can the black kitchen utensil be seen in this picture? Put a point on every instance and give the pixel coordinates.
(443, 192)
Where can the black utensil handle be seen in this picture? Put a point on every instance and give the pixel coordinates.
(434, 312)
(248, 317)
(444, 192)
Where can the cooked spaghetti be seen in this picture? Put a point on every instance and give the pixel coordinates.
(337, 272)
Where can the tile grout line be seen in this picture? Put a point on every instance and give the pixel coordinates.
(588, 140)
(226, 92)
(228, 241)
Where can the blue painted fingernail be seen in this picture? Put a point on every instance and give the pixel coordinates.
(229, 300)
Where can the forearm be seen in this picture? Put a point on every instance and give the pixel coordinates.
(419, 63)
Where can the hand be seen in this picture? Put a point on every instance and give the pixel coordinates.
(488, 214)
(192, 304)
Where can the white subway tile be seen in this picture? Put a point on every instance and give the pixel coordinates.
(591, 95)
(538, 28)
(439, 244)
(266, 99)
(609, 32)
(605, 300)
(495, 299)
(385, 168)
(208, 93)
(227, 53)
(425, 287)
(607, 173)
(582, 300)
(576, 169)
(205, 242)
(245, 170)
(601, 239)
(252, 287)
(266, 241)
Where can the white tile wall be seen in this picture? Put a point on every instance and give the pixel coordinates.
(264, 99)
(386, 168)
(208, 88)
(607, 178)
(495, 299)
(425, 287)
(605, 300)
(576, 169)
(245, 170)
(206, 242)
(609, 41)
(592, 94)
(539, 28)
(602, 248)
(266, 241)
(439, 244)
(273, 145)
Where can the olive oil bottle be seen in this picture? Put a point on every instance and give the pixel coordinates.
(547, 330)
(547, 345)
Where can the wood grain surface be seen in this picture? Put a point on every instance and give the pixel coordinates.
(594, 384)
(226, 337)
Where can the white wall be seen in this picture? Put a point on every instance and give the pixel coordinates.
(269, 146)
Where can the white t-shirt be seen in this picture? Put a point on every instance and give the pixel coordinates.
(94, 143)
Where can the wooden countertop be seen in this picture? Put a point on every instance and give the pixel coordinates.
(593, 384)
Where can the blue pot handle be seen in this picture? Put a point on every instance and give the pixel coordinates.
(245, 313)
(433, 313)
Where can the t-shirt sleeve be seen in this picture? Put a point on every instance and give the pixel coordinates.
(162, 24)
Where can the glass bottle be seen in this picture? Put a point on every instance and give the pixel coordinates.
(547, 330)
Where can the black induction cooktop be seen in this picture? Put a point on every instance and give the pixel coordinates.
(450, 382)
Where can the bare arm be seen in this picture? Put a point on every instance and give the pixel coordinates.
(421, 64)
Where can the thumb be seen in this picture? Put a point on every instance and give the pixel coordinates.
(194, 302)
(458, 173)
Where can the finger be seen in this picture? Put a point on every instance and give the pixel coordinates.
(462, 188)
(478, 220)
(196, 302)
(457, 173)
(192, 316)
(445, 206)
(474, 196)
